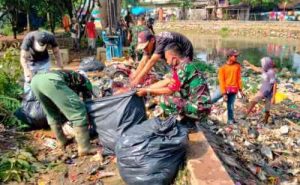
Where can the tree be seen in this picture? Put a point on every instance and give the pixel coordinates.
(184, 5)
(126, 3)
(11, 8)
(261, 4)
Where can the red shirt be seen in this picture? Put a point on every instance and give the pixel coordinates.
(176, 84)
(91, 30)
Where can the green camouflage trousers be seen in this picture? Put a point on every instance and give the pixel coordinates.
(56, 98)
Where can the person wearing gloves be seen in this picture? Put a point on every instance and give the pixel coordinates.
(58, 92)
(34, 54)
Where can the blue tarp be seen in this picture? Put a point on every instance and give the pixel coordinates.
(138, 10)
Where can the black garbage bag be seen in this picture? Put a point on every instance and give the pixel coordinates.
(113, 115)
(90, 64)
(152, 152)
(31, 112)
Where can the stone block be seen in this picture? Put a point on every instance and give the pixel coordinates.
(203, 165)
(64, 56)
(101, 54)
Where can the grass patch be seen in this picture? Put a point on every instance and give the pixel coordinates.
(183, 177)
(224, 32)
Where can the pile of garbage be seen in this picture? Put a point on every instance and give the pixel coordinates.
(251, 151)
(254, 152)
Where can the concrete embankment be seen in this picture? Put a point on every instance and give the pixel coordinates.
(255, 29)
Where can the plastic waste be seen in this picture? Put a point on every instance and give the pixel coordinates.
(91, 64)
(113, 115)
(31, 112)
(151, 152)
(279, 97)
(284, 129)
(267, 152)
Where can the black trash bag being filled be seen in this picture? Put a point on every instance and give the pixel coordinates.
(113, 115)
(89, 64)
(152, 152)
(31, 112)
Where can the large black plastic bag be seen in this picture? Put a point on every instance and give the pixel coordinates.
(151, 153)
(31, 112)
(113, 115)
(90, 64)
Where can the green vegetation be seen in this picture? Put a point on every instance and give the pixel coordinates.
(182, 177)
(204, 67)
(10, 89)
(127, 3)
(13, 12)
(184, 3)
(18, 166)
(224, 32)
(6, 30)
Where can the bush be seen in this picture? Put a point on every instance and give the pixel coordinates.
(6, 30)
(10, 89)
(19, 166)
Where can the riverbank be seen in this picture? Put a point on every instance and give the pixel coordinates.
(257, 29)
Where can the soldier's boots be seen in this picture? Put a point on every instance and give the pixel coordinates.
(83, 141)
(62, 140)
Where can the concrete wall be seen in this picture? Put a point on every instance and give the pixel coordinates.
(196, 14)
(249, 29)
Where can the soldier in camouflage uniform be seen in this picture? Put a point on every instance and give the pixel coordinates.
(133, 36)
(186, 93)
(58, 92)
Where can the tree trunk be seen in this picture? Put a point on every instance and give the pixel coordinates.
(183, 13)
(88, 13)
(69, 6)
(80, 13)
(48, 20)
(28, 21)
(14, 28)
(52, 23)
(14, 22)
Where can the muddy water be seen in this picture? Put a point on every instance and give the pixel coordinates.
(286, 53)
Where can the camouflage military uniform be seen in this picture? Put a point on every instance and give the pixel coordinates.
(135, 31)
(57, 91)
(192, 99)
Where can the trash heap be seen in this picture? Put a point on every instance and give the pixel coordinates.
(254, 152)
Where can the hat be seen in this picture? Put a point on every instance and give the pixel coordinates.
(143, 39)
(40, 41)
(232, 53)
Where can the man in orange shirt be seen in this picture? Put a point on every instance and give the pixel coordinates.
(230, 83)
(90, 31)
(160, 14)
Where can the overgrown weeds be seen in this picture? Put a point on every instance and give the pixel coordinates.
(10, 88)
(224, 32)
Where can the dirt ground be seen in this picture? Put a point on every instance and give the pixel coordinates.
(58, 167)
